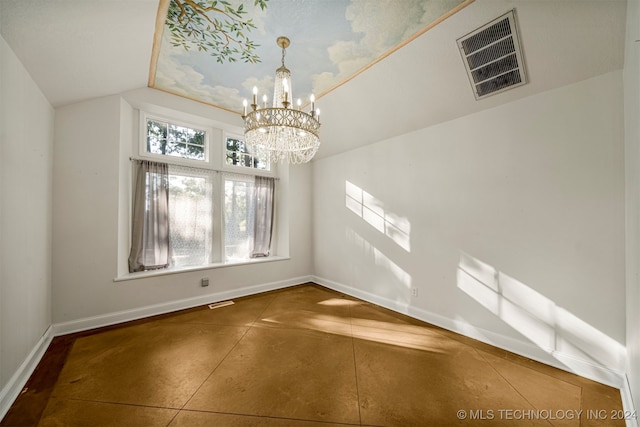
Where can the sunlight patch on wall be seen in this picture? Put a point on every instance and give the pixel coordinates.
(379, 258)
(372, 211)
(549, 326)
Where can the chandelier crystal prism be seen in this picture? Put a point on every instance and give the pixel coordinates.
(286, 133)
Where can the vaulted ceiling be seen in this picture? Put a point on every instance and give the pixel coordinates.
(82, 49)
(216, 53)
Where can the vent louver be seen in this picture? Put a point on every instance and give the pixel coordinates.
(492, 56)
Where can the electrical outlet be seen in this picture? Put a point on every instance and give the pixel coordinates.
(204, 282)
(414, 292)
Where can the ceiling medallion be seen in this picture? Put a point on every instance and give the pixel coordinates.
(288, 134)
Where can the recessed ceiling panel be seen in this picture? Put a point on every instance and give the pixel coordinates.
(217, 51)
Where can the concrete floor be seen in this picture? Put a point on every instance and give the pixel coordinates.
(302, 356)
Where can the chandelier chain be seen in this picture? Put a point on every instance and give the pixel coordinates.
(284, 52)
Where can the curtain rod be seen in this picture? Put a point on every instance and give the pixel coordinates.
(136, 159)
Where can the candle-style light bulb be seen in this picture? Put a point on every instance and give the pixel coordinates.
(255, 95)
(299, 103)
(313, 103)
(318, 115)
(264, 100)
(285, 86)
(244, 107)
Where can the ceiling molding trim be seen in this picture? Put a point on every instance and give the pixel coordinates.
(161, 17)
(199, 101)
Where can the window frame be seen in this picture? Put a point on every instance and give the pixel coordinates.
(181, 161)
(271, 171)
(215, 133)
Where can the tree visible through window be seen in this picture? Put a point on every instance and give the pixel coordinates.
(202, 201)
(240, 154)
(173, 140)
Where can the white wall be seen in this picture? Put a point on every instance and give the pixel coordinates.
(508, 222)
(93, 141)
(26, 158)
(632, 168)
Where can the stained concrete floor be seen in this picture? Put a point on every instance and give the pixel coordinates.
(302, 356)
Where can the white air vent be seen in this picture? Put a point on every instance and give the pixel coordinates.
(492, 56)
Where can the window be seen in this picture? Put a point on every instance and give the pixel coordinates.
(238, 153)
(169, 139)
(190, 216)
(239, 214)
(248, 216)
(209, 209)
(191, 213)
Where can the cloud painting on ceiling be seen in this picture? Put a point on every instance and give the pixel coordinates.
(217, 51)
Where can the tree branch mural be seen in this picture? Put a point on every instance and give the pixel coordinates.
(213, 26)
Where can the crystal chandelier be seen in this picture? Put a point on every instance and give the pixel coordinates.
(288, 134)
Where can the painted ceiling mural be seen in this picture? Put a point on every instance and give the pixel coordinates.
(217, 51)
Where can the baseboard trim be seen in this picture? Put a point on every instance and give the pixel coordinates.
(627, 404)
(587, 369)
(16, 383)
(109, 319)
(598, 373)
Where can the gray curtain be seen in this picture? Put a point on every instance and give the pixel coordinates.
(263, 224)
(150, 248)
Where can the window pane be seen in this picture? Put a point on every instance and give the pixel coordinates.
(156, 137)
(247, 160)
(172, 140)
(233, 158)
(240, 154)
(236, 145)
(190, 219)
(238, 218)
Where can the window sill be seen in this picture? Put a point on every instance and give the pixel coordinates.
(168, 271)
